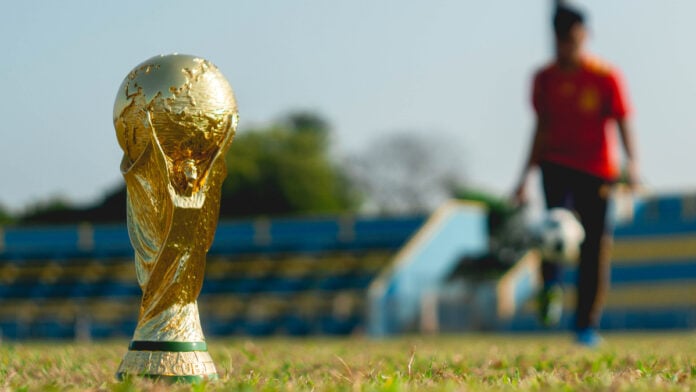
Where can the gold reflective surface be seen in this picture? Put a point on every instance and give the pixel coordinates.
(175, 117)
(168, 364)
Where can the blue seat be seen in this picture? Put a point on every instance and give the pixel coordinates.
(385, 233)
(25, 289)
(119, 289)
(214, 286)
(259, 327)
(339, 326)
(234, 238)
(304, 235)
(296, 325)
(280, 284)
(336, 282)
(102, 330)
(52, 329)
(42, 242)
(222, 327)
(11, 329)
(111, 241)
(346, 281)
(60, 289)
(126, 327)
(361, 281)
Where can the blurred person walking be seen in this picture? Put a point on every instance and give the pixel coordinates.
(578, 100)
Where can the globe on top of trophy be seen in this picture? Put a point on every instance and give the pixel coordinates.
(185, 103)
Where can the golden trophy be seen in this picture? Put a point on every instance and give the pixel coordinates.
(175, 117)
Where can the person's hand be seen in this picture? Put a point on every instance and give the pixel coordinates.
(632, 176)
(519, 196)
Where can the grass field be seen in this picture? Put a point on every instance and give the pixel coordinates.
(469, 362)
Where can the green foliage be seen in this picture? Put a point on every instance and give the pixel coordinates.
(56, 209)
(285, 168)
(492, 202)
(56, 203)
(499, 209)
(407, 172)
(5, 216)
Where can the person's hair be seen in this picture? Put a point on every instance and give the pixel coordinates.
(564, 19)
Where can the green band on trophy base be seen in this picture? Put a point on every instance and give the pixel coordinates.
(141, 345)
(173, 379)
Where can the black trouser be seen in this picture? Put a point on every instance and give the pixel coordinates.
(587, 195)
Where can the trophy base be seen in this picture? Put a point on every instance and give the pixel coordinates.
(168, 361)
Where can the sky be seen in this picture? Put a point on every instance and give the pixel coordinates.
(455, 70)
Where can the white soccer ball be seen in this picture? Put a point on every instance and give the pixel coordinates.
(560, 235)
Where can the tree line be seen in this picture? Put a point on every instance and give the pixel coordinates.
(287, 168)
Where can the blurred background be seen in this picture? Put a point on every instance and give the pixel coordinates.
(357, 121)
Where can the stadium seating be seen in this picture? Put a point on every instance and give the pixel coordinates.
(264, 277)
(310, 276)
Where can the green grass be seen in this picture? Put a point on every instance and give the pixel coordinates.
(469, 362)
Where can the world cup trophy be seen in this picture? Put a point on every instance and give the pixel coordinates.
(175, 117)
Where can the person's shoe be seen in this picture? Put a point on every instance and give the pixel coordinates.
(550, 301)
(588, 337)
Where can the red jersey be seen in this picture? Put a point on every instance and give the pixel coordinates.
(577, 107)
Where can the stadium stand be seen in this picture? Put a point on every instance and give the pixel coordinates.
(291, 276)
(311, 276)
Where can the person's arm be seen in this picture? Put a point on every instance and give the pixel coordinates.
(619, 109)
(535, 151)
(628, 141)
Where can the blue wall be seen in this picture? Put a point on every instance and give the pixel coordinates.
(455, 230)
